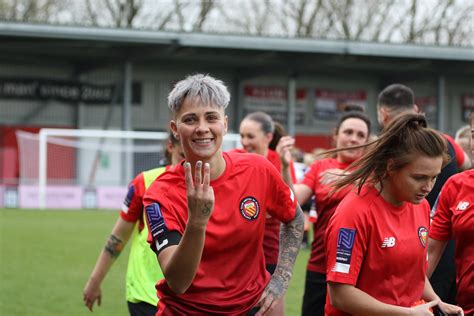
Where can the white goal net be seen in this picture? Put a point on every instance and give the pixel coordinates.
(68, 168)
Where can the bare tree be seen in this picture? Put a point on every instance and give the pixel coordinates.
(247, 16)
(162, 15)
(31, 10)
(442, 22)
(119, 13)
(205, 9)
(302, 14)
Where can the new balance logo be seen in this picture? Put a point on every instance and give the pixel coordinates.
(388, 242)
(462, 206)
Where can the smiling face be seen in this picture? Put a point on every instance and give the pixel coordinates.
(352, 132)
(413, 182)
(253, 138)
(201, 129)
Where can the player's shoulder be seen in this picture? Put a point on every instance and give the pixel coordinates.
(361, 201)
(246, 159)
(461, 178)
(324, 163)
(167, 177)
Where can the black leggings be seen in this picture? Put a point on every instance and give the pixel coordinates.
(141, 309)
(314, 297)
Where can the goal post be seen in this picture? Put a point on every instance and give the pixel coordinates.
(87, 160)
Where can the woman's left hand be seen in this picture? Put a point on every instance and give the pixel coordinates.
(450, 309)
(270, 296)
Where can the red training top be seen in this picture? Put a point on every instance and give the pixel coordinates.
(271, 241)
(325, 206)
(231, 275)
(379, 248)
(454, 218)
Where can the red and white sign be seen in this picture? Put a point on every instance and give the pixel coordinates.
(329, 103)
(273, 100)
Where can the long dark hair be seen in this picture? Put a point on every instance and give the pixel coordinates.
(405, 137)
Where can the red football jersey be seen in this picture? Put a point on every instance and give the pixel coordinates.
(231, 275)
(454, 218)
(325, 205)
(378, 247)
(271, 240)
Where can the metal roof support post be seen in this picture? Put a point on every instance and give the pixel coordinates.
(127, 120)
(237, 108)
(290, 122)
(441, 99)
(127, 96)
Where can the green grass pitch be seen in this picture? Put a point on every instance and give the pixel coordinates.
(47, 256)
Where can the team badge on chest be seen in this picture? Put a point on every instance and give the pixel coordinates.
(423, 235)
(249, 208)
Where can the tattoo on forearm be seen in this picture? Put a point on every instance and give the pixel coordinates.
(114, 246)
(206, 209)
(291, 235)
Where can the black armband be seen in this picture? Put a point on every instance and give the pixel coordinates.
(170, 238)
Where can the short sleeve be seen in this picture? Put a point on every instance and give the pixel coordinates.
(281, 201)
(346, 245)
(164, 227)
(441, 226)
(311, 176)
(132, 207)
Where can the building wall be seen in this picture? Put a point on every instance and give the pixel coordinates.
(157, 79)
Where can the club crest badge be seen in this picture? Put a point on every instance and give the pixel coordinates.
(423, 235)
(249, 208)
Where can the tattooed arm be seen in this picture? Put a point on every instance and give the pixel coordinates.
(180, 263)
(291, 235)
(116, 242)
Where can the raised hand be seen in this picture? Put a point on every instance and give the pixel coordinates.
(283, 148)
(200, 193)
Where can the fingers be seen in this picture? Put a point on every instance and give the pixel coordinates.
(266, 306)
(198, 173)
(200, 176)
(432, 303)
(207, 175)
(89, 303)
(188, 177)
(285, 143)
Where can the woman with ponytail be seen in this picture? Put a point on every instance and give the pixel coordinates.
(377, 240)
(352, 129)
